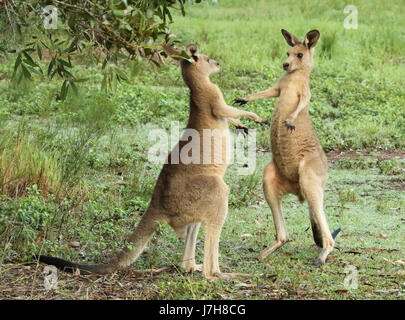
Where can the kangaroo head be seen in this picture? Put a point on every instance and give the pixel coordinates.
(199, 65)
(300, 56)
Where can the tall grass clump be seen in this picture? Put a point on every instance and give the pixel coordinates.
(328, 43)
(22, 164)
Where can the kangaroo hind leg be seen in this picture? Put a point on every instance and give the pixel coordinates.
(188, 262)
(274, 188)
(312, 183)
(212, 223)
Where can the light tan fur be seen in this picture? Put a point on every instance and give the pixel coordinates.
(188, 195)
(299, 164)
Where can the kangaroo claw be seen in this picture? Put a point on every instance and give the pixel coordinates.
(317, 263)
(289, 127)
(240, 102)
(242, 130)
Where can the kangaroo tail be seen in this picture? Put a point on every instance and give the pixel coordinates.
(138, 241)
(336, 232)
(317, 234)
(71, 267)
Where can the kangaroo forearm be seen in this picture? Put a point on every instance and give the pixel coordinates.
(301, 105)
(231, 112)
(269, 93)
(235, 122)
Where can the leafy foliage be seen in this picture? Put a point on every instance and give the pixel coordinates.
(109, 31)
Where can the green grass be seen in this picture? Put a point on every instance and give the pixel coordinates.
(365, 203)
(97, 143)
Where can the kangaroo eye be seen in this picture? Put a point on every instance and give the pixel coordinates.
(288, 54)
(300, 55)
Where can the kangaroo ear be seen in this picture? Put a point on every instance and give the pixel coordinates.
(311, 38)
(192, 51)
(172, 51)
(290, 38)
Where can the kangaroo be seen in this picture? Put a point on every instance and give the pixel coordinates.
(299, 163)
(186, 195)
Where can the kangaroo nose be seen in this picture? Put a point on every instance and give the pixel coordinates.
(286, 65)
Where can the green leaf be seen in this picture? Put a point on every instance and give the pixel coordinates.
(44, 44)
(50, 67)
(68, 74)
(53, 73)
(70, 49)
(184, 56)
(65, 63)
(39, 52)
(25, 72)
(35, 70)
(183, 12)
(64, 90)
(72, 84)
(28, 59)
(17, 63)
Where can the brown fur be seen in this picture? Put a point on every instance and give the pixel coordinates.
(299, 164)
(187, 195)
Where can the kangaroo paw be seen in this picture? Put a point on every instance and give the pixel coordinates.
(242, 130)
(289, 127)
(240, 102)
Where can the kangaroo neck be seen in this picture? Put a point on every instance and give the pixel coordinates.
(199, 85)
(303, 74)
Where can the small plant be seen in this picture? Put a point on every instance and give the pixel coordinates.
(23, 222)
(246, 191)
(346, 196)
(358, 163)
(391, 166)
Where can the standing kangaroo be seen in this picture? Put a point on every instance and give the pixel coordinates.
(187, 195)
(299, 164)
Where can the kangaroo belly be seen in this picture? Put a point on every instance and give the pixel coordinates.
(290, 147)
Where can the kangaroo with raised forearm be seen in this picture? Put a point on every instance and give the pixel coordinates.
(299, 163)
(187, 194)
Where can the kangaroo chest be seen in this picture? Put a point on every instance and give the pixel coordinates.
(290, 147)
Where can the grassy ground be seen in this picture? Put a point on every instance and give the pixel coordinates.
(75, 177)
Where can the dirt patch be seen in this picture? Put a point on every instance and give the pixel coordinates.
(20, 282)
(377, 154)
(397, 184)
(390, 184)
